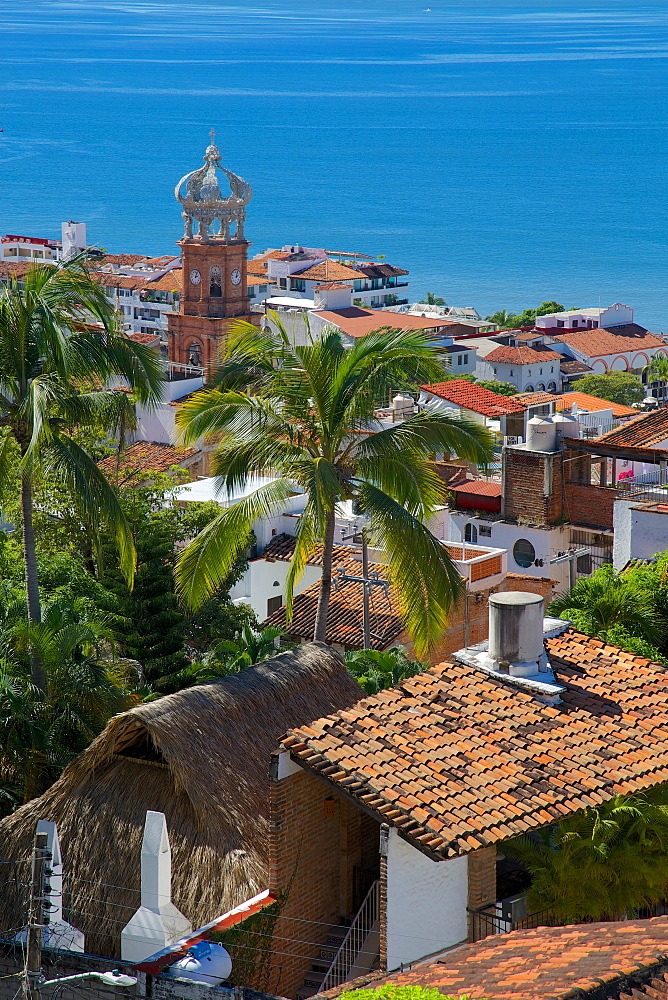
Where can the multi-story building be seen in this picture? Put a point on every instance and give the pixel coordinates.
(37, 249)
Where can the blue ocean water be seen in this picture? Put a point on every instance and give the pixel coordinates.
(505, 153)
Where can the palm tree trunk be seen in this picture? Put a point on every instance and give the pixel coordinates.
(32, 582)
(320, 631)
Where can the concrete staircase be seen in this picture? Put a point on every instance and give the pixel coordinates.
(324, 958)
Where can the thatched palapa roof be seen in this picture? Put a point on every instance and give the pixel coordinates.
(200, 756)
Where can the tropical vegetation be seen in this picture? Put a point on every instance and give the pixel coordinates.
(375, 670)
(306, 413)
(55, 372)
(606, 862)
(507, 320)
(624, 388)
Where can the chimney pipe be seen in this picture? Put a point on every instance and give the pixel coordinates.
(516, 633)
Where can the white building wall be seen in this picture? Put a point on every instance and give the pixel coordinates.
(638, 533)
(265, 580)
(426, 902)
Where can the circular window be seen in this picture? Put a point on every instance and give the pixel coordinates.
(523, 552)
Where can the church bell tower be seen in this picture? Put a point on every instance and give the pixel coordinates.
(214, 259)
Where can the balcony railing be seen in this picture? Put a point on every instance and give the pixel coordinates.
(507, 915)
(356, 953)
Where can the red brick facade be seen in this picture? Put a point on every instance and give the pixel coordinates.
(320, 844)
(590, 505)
(482, 880)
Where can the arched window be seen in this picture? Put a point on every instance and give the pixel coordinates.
(540, 387)
(215, 282)
(194, 354)
(528, 388)
(471, 534)
(552, 387)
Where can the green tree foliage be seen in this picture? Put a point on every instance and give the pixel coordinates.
(507, 321)
(305, 412)
(433, 300)
(624, 388)
(500, 388)
(248, 647)
(657, 369)
(52, 364)
(42, 729)
(375, 670)
(602, 863)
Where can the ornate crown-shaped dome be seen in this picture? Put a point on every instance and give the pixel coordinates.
(203, 201)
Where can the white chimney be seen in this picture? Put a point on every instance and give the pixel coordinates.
(157, 923)
(57, 933)
(516, 633)
(74, 238)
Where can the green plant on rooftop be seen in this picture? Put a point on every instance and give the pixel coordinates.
(376, 669)
(432, 300)
(603, 863)
(614, 607)
(305, 413)
(388, 992)
(506, 320)
(624, 388)
(53, 364)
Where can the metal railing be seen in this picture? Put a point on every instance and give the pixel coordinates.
(352, 945)
(492, 919)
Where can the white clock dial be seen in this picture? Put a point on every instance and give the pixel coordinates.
(236, 276)
(195, 277)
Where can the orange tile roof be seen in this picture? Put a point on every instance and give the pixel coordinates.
(143, 338)
(257, 267)
(474, 397)
(535, 398)
(647, 430)
(170, 282)
(522, 355)
(144, 457)
(330, 285)
(281, 547)
(327, 270)
(344, 619)
(477, 487)
(356, 321)
(598, 343)
(586, 402)
(560, 963)
(257, 279)
(409, 752)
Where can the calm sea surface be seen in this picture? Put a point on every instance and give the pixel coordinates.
(504, 153)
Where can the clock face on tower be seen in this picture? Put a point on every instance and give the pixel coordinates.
(195, 277)
(235, 276)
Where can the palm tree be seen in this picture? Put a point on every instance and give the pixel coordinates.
(376, 669)
(54, 368)
(606, 599)
(41, 730)
(657, 369)
(605, 862)
(307, 414)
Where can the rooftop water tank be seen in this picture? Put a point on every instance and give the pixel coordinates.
(567, 425)
(205, 963)
(403, 405)
(541, 434)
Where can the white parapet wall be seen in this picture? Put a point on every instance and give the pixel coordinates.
(157, 923)
(426, 902)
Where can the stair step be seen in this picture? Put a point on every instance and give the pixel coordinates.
(328, 954)
(314, 978)
(307, 991)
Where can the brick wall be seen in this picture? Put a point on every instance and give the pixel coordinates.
(482, 879)
(589, 505)
(533, 485)
(318, 838)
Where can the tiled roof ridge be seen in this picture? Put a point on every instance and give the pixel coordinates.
(464, 393)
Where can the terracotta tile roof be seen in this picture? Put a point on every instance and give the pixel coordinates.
(535, 398)
(282, 546)
(121, 259)
(561, 963)
(344, 619)
(170, 282)
(598, 343)
(457, 759)
(143, 338)
(477, 487)
(144, 457)
(474, 397)
(380, 270)
(572, 367)
(526, 335)
(257, 268)
(586, 402)
(331, 285)
(355, 321)
(327, 270)
(522, 355)
(647, 430)
(257, 279)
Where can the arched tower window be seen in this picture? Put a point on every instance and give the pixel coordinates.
(215, 282)
(194, 354)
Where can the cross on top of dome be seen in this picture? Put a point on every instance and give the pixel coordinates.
(204, 203)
